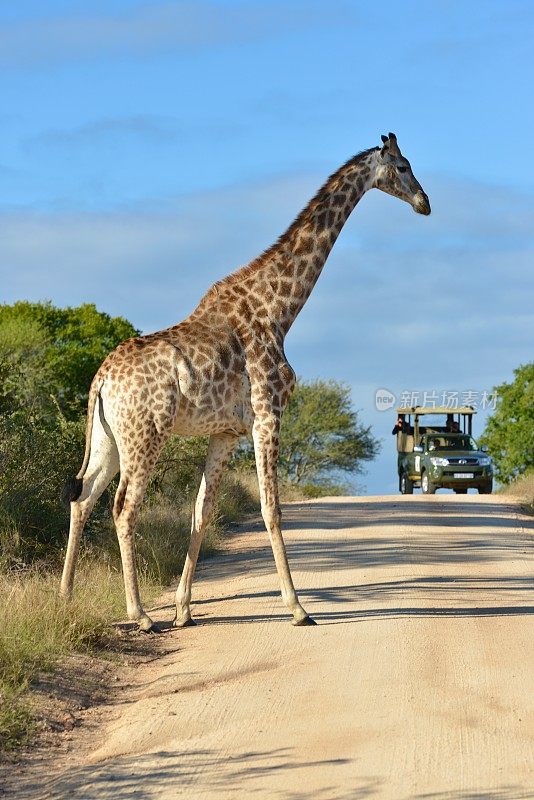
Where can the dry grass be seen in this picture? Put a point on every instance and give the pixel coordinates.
(162, 536)
(39, 628)
(523, 488)
(289, 492)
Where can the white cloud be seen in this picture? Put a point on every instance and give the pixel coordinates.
(120, 131)
(140, 125)
(157, 28)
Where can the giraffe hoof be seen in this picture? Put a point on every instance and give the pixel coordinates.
(184, 623)
(300, 623)
(147, 626)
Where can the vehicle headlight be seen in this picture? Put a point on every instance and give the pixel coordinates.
(484, 461)
(436, 461)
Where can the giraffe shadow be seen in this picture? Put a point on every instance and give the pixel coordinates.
(337, 617)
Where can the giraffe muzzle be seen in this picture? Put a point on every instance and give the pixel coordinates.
(421, 204)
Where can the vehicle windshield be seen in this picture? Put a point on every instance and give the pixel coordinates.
(451, 442)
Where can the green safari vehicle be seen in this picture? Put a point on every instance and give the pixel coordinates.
(436, 450)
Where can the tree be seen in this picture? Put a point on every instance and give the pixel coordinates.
(24, 373)
(321, 435)
(61, 348)
(48, 357)
(509, 434)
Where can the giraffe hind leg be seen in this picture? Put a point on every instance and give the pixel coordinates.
(136, 470)
(126, 508)
(83, 493)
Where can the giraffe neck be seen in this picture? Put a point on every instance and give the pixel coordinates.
(305, 247)
(273, 288)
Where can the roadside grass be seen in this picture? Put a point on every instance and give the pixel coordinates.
(39, 628)
(523, 488)
(289, 492)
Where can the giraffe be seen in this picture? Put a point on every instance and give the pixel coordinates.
(221, 373)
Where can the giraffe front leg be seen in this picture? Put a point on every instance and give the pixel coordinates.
(220, 449)
(266, 444)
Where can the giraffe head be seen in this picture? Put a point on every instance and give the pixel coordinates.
(394, 175)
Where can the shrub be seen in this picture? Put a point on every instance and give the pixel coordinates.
(36, 455)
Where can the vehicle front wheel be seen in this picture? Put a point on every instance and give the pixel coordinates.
(487, 489)
(406, 485)
(426, 484)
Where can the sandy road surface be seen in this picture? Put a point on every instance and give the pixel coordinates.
(418, 681)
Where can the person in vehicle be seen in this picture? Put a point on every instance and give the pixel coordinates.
(452, 425)
(401, 426)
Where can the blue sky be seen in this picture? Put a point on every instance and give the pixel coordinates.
(147, 149)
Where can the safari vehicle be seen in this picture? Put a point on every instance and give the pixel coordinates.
(437, 451)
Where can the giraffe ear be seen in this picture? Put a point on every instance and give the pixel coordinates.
(393, 146)
(390, 145)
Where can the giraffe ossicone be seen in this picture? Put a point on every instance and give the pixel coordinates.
(221, 373)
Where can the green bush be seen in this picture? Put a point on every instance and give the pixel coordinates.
(36, 456)
(509, 434)
(323, 489)
(60, 350)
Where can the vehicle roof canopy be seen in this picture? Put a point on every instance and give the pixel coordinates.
(421, 410)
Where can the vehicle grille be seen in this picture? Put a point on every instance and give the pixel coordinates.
(462, 461)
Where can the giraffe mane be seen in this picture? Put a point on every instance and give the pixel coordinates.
(286, 236)
(258, 261)
(246, 271)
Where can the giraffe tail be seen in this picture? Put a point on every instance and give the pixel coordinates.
(74, 486)
(72, 490)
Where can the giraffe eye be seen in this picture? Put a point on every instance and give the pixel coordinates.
(402, 169)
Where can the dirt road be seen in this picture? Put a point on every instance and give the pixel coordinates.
(418, 681)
